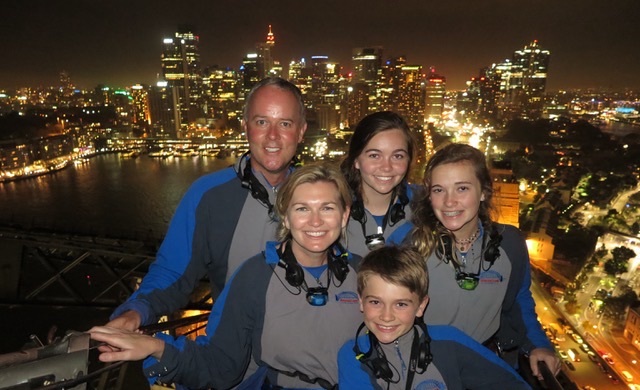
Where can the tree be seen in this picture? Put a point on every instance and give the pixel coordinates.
(614, 308)
(613, 267)
(622, 253)
(620, 261)
(601, 252)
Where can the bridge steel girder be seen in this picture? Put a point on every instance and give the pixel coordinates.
(65, 270)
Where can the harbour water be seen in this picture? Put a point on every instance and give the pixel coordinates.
(107, 195)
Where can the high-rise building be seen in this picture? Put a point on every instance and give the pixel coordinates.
(251, 71)
(367, 63)
(528, 79)
(482, 95)
(324, 77)
(367, 69)
(66, 89)
(164, 116)
(181, 69)
(265, 55)
(357, 103)
(223, 89)
(411, 95)
(434, 99)
(141, 113)
(390, 83)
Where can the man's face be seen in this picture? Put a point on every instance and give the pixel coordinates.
(274, 128)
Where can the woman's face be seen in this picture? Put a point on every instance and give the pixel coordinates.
(315, 217)
(455, 194)
(383, 162)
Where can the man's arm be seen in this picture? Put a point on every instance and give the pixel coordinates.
(181, 260)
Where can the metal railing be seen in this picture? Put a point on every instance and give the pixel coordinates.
(67, 363)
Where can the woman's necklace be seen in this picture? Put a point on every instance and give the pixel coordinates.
(464, 243)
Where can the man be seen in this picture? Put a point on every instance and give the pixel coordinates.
(226, 216)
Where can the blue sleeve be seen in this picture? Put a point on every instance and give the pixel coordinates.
(479, 368)
(519, 325)
(535, 334)
(351, 375)
(166, 287)
(221, 358)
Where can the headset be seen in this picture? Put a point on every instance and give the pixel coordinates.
(337, 265)
(251, 182)
(490, 252)
(394, 215)
(490, 248)
(420, 358)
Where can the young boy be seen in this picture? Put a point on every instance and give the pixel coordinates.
(398, 351)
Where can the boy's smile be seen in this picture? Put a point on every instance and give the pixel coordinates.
(389, 310)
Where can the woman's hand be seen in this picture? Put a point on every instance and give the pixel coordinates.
(125, 345)
(544, 355)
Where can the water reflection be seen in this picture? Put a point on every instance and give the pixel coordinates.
(108, 195)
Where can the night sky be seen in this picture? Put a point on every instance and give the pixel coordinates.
(118, 43)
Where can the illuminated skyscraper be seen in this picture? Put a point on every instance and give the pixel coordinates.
(367, 63)
(357, 103)
(251, 71)
(66, 89)
(528, 79)
(389, 81)
(265, 55)
(324, 78)
(164, 116)
(181, 69)
(141, 114)
(367, 68)
(434, 100)
(410, 97)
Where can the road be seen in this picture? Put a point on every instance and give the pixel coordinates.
(587, 372)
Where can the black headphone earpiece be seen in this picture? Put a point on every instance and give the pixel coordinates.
(249, 181)
(357, 211)
(294, 274)
(492, 250)
(397, 214)
(423, 353)
(339, 266)
(379, 366)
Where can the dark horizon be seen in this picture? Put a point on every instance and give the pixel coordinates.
(118, 43)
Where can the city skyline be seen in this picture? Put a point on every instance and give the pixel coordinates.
(119, 43)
